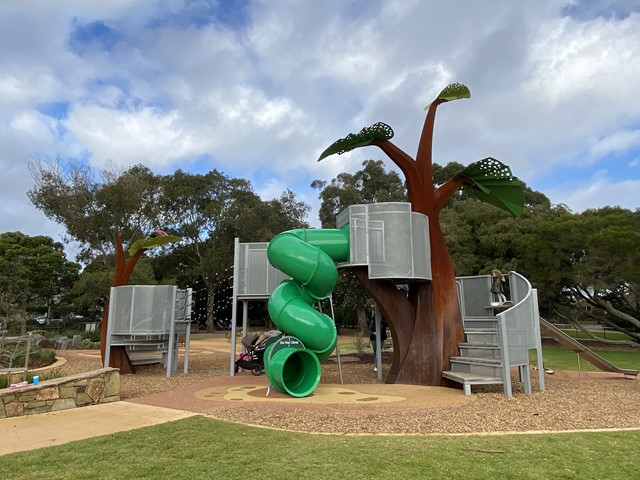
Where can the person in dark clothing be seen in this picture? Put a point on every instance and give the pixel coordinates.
(372, 337)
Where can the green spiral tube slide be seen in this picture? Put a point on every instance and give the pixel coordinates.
(308, 256)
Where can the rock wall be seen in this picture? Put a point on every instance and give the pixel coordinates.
(90, 388)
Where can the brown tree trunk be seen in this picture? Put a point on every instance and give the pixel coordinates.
(211, 291)
(362, 324)
(426, 323)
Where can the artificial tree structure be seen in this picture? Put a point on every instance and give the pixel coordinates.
(426, 322)
(118, 357)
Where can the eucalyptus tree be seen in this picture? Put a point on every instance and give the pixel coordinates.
(587, 259)
(93, 204)
(208, 211)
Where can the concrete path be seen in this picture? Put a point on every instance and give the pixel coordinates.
(47, 429)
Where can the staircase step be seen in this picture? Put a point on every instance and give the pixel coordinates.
(482, 335)
(478, 360)
(467, 379)
(485, 350)
(491, 367)
(473, 323)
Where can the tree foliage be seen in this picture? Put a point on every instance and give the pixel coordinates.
(32, 269)
(92, 204)
(587, 259)
(370, 185)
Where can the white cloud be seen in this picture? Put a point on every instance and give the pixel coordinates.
(619, 141)
(126, 138)
(599, 191)
(548, 90)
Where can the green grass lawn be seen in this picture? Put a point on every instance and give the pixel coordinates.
(202, 448)
(606, 334)
(560, 358)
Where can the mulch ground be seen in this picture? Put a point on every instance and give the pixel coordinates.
(571, 401)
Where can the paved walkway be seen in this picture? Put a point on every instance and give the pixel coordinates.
(47, 429)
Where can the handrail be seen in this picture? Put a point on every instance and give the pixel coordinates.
(525, 310)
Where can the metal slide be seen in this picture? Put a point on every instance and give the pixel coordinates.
(589, 355)
(292, 363)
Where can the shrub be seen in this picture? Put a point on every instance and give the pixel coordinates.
(360, 344)
(44, 354)
(48, 375)
(89, 344)
(93, 336)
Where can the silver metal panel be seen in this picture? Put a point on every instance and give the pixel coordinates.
(142, 309)
(183, 304)
(420, 238)
(390, 239)
(476, 295)
(256, 277)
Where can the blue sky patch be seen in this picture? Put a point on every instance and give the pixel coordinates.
(200, 13)
(57, 110)
(93, 36)
(588, 10)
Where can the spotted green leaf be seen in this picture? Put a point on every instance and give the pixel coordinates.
(377, 131)
(453, 91)
(494, 183)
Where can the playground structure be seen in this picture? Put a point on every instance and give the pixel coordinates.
(382, 238)
(147, 321)
(495, 342)
(497, 337)
(117, 355)
(431, 319)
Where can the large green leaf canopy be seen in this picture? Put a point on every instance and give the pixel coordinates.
(494, 183)
(152, 242)
(377, 131)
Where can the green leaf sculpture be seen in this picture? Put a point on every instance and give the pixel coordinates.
(152, 242)
(453, 91)
(494, 183)
(377, 131)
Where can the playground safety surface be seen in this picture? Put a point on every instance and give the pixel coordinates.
(48, 429)
(572, 401)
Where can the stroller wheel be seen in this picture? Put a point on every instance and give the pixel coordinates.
(256, 369)
(237, 369)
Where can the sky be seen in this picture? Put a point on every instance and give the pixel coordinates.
(257, 89)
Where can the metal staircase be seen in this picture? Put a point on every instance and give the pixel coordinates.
(496, 342)
(480, 360)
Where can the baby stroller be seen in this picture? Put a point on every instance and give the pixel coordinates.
(253, 358)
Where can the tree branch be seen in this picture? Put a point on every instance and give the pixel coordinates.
(407, 165)
(606, 306)
(617, 328)
(445, 191)
(424, 157)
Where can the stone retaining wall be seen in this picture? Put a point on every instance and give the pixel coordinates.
(90, 388)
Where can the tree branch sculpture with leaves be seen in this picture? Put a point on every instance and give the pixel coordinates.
(427, 324)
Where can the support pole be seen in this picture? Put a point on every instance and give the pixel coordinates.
(333, 317)
(378, 359)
